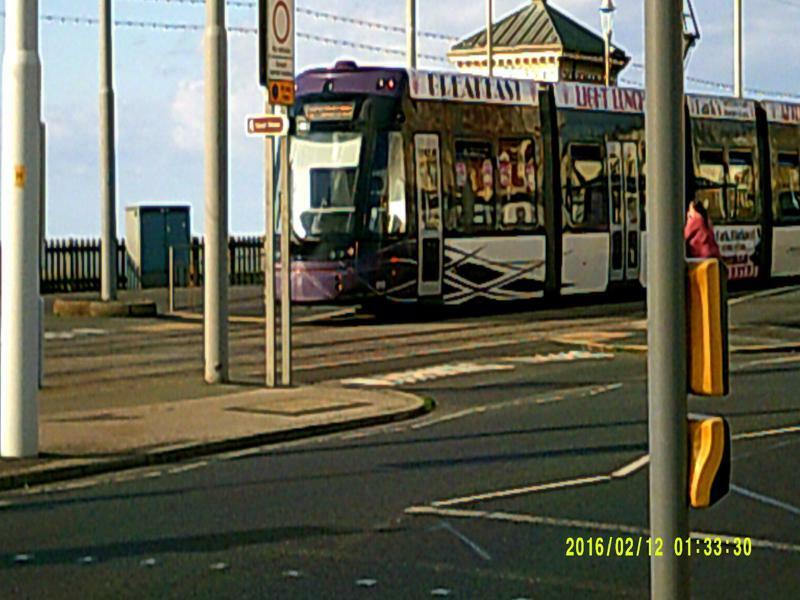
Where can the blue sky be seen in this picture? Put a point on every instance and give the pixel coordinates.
(159, 86)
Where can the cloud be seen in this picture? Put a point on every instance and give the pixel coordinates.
(187, 110)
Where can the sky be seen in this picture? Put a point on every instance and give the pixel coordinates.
(159, 85)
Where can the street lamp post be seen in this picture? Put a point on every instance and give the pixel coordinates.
(607, 9)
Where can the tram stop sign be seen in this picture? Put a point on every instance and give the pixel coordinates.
(276, 49)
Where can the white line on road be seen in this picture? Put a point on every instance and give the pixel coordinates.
(763, 294)
(752, 435)
(472, 545)
(477, 410)
(508, 363)
(531, 489)
(189, 467)
(631, 468)
(527, 519)
(765, 500)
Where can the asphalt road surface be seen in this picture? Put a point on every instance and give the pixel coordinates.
(531, 449)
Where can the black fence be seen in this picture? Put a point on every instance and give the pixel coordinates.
(70, 265)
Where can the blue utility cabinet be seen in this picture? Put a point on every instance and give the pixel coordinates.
(150, 230)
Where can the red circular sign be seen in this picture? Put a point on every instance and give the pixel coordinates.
(280, 7)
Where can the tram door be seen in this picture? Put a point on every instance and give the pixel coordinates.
(429, 211)
(624, 206)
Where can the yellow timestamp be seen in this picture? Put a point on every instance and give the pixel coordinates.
(620, 546)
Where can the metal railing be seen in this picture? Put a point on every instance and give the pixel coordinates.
(73, 265)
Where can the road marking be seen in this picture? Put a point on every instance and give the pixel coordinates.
(367, 583)
(752, 435)
(769, 361)
(427, 374)
(451, 417)
(342, 312)
(189, 467)
(556, 357)
(763, 294)
(507, 363)
(528, 519)
(765, 500)
(470, 544)
(531, 489)
(631, 467)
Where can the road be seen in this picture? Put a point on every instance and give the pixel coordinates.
(529, 446)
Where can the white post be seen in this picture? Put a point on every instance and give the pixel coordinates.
(286, 265)
(108, 218)
(216, 184)
(19, 330)
(42, 241)
(489, 42)
(738, 49)
(269, 257)
(411, 34)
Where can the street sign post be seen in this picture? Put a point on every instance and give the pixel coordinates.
(271, 125)
(276, 74)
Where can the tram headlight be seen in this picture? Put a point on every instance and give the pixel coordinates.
(303, 125)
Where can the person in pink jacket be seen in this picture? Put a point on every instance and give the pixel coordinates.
(698, 233)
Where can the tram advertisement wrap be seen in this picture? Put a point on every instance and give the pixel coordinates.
(741, 248)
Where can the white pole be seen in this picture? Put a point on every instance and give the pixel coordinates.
(738, 49)
(108, 218)
(286, 265)
(19, 330)
(42, 240)
(489, 42)
(216, 184)
(269, 257)
(411, 34)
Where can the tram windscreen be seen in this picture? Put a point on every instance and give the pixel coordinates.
(324, 168)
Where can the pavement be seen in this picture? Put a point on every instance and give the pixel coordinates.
(79, 443)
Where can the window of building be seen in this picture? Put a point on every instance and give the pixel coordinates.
(585, 188)
(472, 208)
(787, 186)
(517, 197)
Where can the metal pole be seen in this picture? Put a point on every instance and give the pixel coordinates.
(666, 332)
(172, 279)
(738, 47)
(19, 324)
(216, 184)
(269, 256)
(607, 58)
(489, 43)
(411, 34)
(286, 266)
(108, 219)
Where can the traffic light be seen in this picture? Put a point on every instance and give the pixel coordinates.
(707, 316)
(709, 460)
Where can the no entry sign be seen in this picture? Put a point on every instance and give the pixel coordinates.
(276, 42)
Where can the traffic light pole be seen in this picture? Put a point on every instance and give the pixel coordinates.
(21, 190)
(666, 308)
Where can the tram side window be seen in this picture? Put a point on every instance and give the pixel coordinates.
(586, 189)
(472, 209)
(517, 209)
(741, 186)
(710, 182)
(787, 186)
(386, 213)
